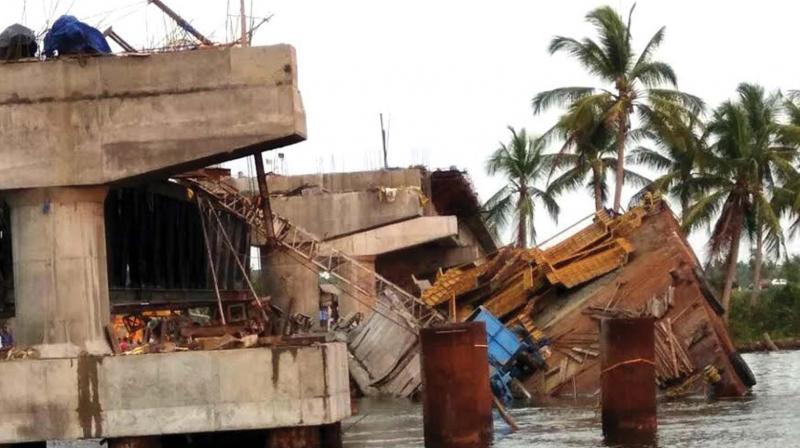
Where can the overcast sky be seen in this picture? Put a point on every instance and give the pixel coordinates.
(449, 76)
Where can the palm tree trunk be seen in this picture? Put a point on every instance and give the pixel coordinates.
(733, 260)
(684, 207)
(598, 190)
(522, 224)
(621, 134)
(759, 259)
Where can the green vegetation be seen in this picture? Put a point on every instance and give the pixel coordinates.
(777, 309)
(523, 163)
(733, 170)
(776, 312)
(750, 150)
(588, 153)
(634, 83)
(678, 149)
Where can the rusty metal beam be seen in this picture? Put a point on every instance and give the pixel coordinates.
(109, 32)
(263, 191)
(181, 22)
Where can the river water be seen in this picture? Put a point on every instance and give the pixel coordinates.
(770, 417)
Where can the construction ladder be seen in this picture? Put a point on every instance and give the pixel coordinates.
(313, 251)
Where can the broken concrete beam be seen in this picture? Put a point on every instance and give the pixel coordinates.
(89, 121)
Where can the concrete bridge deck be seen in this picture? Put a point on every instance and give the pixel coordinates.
(97, 120)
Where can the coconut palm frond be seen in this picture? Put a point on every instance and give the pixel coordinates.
(522, 162)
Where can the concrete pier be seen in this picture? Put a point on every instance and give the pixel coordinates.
(173, 393)
(61, 277)
(628, 380)
(457, 409)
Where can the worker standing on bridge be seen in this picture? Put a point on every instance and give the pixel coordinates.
(6, 339)
(324, 317)
(334, 312)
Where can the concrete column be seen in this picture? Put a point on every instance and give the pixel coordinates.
(60, 269)
(293, 286)
(628, 380)
(457, 408)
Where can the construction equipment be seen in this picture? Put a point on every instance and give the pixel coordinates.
(313, 252)
(510, 357)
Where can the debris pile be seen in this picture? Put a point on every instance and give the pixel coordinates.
(244, 327)
(636, 264)
(506, 282)
(17, 353)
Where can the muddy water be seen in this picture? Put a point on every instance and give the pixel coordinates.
(770, 417)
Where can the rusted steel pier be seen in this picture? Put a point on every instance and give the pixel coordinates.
(458, 399)
(628, 379)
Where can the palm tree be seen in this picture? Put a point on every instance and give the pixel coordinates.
(751, 151)
(786, 196)
(636, 80)
(775, 146)
(523, 163)
(679, 151)
(587, 155)
(786, 202)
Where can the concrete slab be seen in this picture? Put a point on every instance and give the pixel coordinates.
(345, 182)
(174, 393)
(397, 236)
(329, 215)
(89, 121)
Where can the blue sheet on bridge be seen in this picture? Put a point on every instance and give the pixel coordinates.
(71, 36)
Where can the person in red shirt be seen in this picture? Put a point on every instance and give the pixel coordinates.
(124, 344)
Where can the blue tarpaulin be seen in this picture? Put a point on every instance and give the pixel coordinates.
(70, 36)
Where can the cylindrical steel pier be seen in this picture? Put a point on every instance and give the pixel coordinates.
(457, 407)
(628, 379)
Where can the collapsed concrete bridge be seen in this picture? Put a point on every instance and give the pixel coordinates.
(74, 126)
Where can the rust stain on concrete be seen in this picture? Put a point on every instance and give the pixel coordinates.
(89, 408)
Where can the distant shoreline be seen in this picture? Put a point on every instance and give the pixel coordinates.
(761, 346)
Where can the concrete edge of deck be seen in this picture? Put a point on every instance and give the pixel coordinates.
(97, 120)
(173, 393)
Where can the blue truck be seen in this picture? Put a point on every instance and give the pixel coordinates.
(513, 354)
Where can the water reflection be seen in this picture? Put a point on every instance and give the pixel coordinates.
(770, 417)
